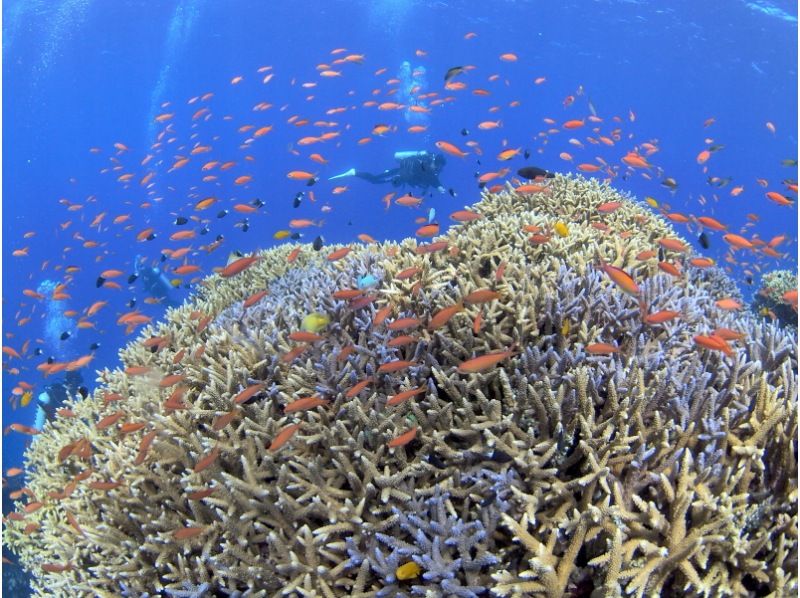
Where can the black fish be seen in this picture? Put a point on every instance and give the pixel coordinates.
(295, 236)
(180, 220)
(83, 391)
(132, 278)
(132, 302)
(222, 213)
(151, 237)
(317, 245)
(38, 351)
(748, 279)
(257, 203)
(527, 153)
(296, 201)
(65, 335)
(312, 181)
(703, 240)
(465, 132)
(204, 231)
(94, 346)
(452, 191)
(100, 281)
(163, 258)
(452, 72)
(532, 172)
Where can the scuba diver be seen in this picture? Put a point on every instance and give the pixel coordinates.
(55, 395)
(155, 282)
(415, 169)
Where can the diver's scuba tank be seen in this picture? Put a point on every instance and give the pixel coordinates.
(411, 154)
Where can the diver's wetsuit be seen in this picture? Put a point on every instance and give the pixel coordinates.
(415, 169)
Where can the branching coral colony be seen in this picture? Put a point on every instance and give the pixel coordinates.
(495, 417)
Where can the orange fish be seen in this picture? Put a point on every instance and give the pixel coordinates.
(338, 254)
(601, 349)
(779, 199)
(729, 304)
(238, 266)
(738, 241)
(405, 395)
(660, 317)
(711, 223)
(465, 216)
(187, 533)
(247, 393)
(484, 362)
(304, 404)
(404, 438)
(621, 278)
(508, 154)
(451, 149)
(283, 436)
(713, 342)
(429, 230)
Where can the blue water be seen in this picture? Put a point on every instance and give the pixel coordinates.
(81, 74)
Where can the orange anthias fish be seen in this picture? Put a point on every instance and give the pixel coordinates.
(451, 149)
(484, 362)
(238, 266)
(621, 278)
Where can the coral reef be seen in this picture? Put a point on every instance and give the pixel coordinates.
(494, 417)
(769, 300)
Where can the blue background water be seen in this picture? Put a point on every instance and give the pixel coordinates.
(80, 74)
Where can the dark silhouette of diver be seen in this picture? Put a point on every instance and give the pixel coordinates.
(415, 169)
(155, 282)
(56, 394)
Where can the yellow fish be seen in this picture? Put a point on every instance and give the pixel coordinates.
(408, 571)
(315, 322)
(281, 234)
(561, 229)
(26, 398)
(565, 328)
(652, 202)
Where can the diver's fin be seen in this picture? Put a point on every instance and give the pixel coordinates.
(350, 172)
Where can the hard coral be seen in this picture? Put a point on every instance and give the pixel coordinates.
(587, 451)
(770, 301)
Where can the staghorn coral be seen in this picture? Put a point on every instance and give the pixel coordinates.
(658, 468)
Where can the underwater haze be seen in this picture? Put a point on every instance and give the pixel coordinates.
(149, 144)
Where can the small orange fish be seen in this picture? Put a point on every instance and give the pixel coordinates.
(207, 460)
(247, 393)
(484, 362)
(283, 436)
(405, 395)
(238, 266)
(187, 533)
(729, 304)
(451, 149)
(304, 404)
(621, 278)
(404, 438)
